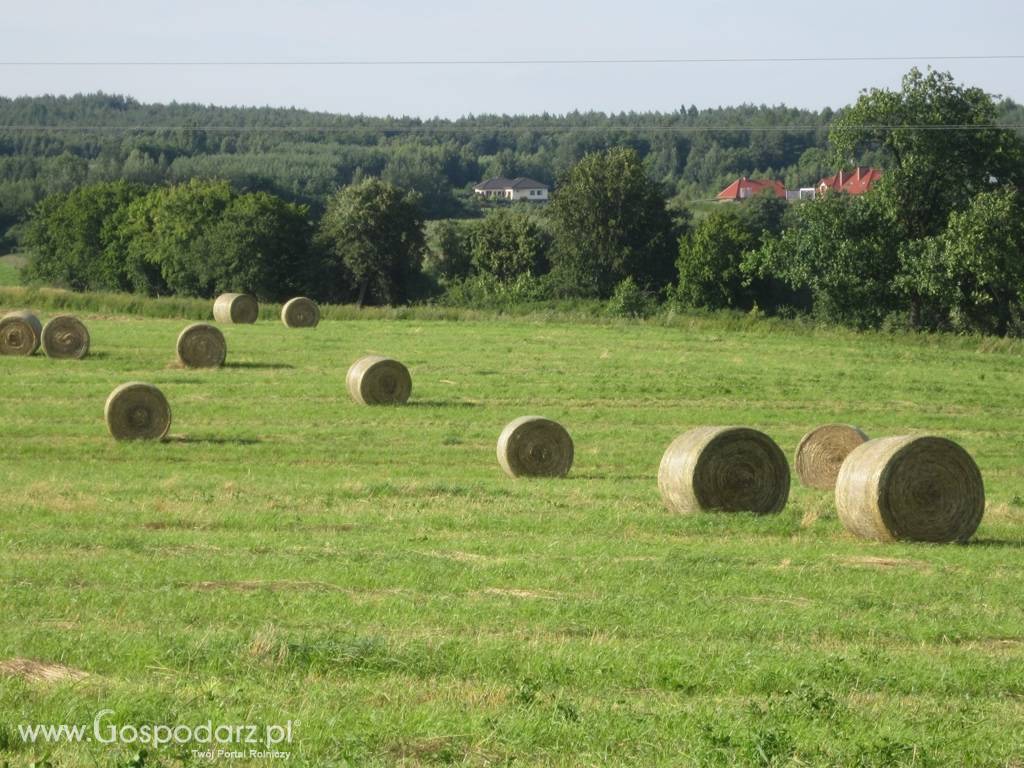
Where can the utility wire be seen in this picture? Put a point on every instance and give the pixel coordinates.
(515, 62)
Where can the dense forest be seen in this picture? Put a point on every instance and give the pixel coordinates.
(54, 143)
(104, 193)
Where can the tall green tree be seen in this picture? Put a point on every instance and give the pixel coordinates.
(610, 222)
(66, 235)
(374, 232)
(841, 249)
(941, 144)
(508, 243)
(973, 273)
(712, 256)
(260, 245)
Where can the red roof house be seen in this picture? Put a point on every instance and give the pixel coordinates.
(855, 182)
(743, 188)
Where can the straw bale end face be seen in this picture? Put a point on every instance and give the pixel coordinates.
(821, 453)
(65, 337)
(137, 411)
(912, 488)
(20, 334)
(532, 446)
(202, 345)
(376, 380)
(238, 308)
(300, 312)
(729, 469)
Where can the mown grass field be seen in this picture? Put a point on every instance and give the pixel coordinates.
(372, 576)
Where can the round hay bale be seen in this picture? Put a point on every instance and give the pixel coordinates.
(300, 312)
(202, 345)
(137, 411)
(921, 488)
(20, 333)
(532, 446)
(65, 337)
(821, 453)
(236, 308)
(731, 469)
(376, 380)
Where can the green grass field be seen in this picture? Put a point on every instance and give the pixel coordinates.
(10, 269)
(373, 577)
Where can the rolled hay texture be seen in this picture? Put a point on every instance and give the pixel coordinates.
(729, 469)
(202, 345)
(376, 380)
(300, 312)
(20, 333)
(65, 337)
(821, 453)
(914, 488)
(137, 411)
(532, 446)
(236, 308)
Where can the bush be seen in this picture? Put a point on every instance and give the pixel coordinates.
(510, 243)
(630, 300)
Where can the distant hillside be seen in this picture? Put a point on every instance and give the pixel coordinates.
(50, 144)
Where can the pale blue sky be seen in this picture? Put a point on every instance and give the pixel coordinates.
(185, 30)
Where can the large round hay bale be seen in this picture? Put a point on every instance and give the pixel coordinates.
(202, 345)
(376, 380)
(20, 333)
(821, 453)
(137, 411)
(300, 312)
(920, 488)
(65, 337)
(730, 469)
(236, 308)
(532, 446)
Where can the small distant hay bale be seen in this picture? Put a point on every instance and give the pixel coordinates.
(729, 469)
(236, 308)
(65, 337)
(137, 411)
(300, 312)
(376, 380)
(532, 446)
(914, 488)
(821, 453)
(20, 333)
(202, 345)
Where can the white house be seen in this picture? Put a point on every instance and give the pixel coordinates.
(520, 188)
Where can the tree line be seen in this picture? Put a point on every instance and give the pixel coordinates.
(52, 144)
(937, 244)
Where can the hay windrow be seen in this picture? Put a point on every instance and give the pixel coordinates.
(39, 671)
(300, 312)
(65, 337)
(137, 411)
(20, 333)
(914, 488)
(202, 345)
(730, 469)
(532, 446)
(236, 308)
(376, 380)
(821, 453)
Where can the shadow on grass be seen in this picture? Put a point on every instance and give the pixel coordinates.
(265, 366)
(997, 543)
(442, 404)
(191, 440)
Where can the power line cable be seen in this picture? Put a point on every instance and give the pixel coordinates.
(517, 62)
